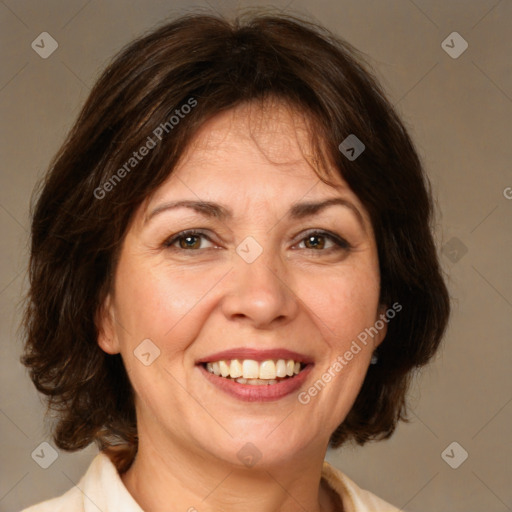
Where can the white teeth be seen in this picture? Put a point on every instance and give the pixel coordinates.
(249, 371)
(281, 368)
(267, 370)
(224, 368)
(235, 369)
(257, 382)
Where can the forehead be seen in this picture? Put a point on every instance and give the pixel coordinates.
(255, 155)
(279, 134)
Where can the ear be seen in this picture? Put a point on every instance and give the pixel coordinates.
(381, 323)
(105, 324)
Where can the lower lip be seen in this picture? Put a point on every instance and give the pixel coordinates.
(258, 393)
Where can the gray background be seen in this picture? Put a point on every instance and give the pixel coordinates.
(459, 112)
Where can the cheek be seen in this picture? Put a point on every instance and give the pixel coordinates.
(159, 303)
(345, 303)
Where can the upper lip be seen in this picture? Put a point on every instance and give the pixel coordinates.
(256, 355)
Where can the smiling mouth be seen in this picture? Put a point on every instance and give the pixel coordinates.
(256, 373)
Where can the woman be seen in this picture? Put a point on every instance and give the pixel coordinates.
(231, 269)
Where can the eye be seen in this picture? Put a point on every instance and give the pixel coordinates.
(323, 241)
(316, 241)
(187, 240)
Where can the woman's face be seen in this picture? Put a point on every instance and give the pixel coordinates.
(279, 267)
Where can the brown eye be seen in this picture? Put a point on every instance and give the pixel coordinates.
(188, 240)
(314, 242)
(321, 241)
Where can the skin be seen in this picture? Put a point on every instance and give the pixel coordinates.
(308, 297)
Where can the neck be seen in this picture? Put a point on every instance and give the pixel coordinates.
(166, 473)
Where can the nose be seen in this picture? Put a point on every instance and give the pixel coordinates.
(259, 294)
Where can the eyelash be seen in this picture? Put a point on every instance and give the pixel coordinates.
(339, 243)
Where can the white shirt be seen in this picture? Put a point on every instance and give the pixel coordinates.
(101, 489)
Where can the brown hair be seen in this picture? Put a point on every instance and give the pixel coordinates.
(212, 65)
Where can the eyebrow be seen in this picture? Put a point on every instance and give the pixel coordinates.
(215, 210)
